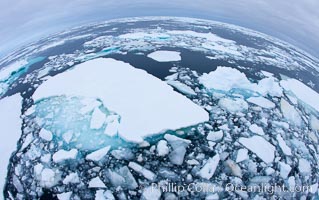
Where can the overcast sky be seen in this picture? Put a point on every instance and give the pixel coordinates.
(294, 21)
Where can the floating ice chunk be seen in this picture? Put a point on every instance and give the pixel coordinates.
(71, 178)
(314, 123)
(165, 56)
(284, 170)
(256, 129)
(162, 148)
(98, 119)
(96, 183)
(215, 136)
(143, 171)
(45, 134)
(47, 177)
(304, 167)
(208, 170)
(283, 146)
(302, 92)
(269, 86)
(122, 177)
(64, 196)
(262, 102)
(123, 154)
(185, 89)
(10, 123)
(109, 195)
(212, 197)
(225, 79)
(151, 193)
(242, 155)
(146, 104)
(63, 155)
(192, 162)
(104, 195)
(179, 146)
(290, 113)
(233, 105)
(261, 147)
(99, 154)
(112, 125)
(234, 168)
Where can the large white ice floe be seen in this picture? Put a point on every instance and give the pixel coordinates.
(10, 123)
(146, 104)
(230, 80)
(261, 147)
(304, 93)
(165, 56)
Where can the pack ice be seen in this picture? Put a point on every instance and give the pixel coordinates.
(146, 104)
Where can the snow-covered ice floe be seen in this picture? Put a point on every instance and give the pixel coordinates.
(10, 123)
(146, 104)
(165, 56)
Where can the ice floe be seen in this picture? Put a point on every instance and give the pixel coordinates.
(261, 147)
(233, 105)
(63, 155)
(146, 104)
(165, 56)
(10, 123)
(256, 129)
(261, 101)
(290, 113)
(185, 89)
(99, 154)
(302, 92)
(209, 168)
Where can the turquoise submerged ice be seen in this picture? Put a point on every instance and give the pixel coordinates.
(110, 108)
(70, 119)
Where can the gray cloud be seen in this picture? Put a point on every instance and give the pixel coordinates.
(293, 21)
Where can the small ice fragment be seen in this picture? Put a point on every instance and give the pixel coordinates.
(71, 178)
(283, 146)
(290, 113)
(262, 102)
(256, 129)
(208, 170)
(304, 167)
(162, 148)
(45, 134)
(63, 155)
(99, 154)
(143, 171)
(284, 170)
(242, 155)
(261, 147)
(96, 183)
(215, 136)
(185, 89)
